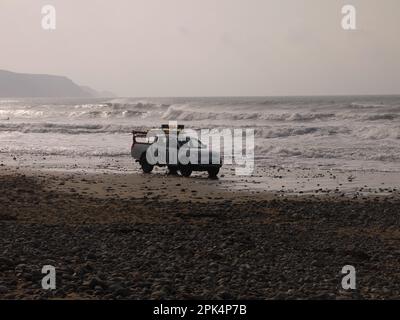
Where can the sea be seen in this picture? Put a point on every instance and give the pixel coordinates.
(340, 132)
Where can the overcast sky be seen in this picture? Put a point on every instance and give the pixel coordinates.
(208, 47)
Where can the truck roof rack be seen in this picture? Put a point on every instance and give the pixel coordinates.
(167, 128)
(139, 133)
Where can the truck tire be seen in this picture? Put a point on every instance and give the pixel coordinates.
(172, 170)
(213, 173)
(146, 167)
(186, 170)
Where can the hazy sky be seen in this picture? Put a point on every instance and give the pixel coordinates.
(208, 47)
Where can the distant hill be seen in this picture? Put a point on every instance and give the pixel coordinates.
(97, 94)
(20, 85)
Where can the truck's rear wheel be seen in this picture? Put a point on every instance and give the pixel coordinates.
(172, 170)
(213, 172)
(186, 171)
(146, 167)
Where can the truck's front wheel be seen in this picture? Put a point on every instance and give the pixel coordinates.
(146, 166)
(186, 171)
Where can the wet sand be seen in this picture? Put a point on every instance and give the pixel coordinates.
(134, 236)
(271, 179)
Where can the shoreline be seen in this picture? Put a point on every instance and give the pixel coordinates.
(275, 180)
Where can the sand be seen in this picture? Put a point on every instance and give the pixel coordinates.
(126, 235)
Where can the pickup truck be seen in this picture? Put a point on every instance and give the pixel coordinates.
(141, 144)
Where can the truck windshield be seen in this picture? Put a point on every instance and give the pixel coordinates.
(195, 143)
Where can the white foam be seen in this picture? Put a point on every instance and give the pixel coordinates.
(290, 130)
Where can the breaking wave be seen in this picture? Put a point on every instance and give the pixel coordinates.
(365, 129)
(64, 128)
(263, 132)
